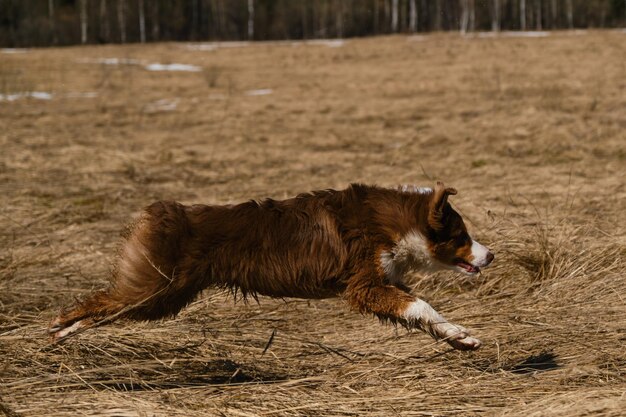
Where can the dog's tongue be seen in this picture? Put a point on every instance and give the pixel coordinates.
(468, 267)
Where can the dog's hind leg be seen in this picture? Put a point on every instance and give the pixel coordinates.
(148, 282)
(84, 314)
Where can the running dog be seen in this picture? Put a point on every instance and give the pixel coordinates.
(357, 243)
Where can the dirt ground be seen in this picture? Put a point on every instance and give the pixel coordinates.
(530, 130)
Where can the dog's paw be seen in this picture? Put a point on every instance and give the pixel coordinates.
(59, 330)
(458, 337)
(466, 343)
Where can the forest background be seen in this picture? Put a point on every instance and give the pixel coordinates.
(66, 22)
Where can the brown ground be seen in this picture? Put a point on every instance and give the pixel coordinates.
(530, 130)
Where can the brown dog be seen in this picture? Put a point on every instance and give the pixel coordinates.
(357, 243)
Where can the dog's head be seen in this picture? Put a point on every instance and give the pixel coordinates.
(449, 245)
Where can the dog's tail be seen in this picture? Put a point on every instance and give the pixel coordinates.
(148, 282)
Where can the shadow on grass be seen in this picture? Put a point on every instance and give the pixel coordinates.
(214, 373)
(545, 361)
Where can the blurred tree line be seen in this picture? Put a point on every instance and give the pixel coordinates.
(64, 22)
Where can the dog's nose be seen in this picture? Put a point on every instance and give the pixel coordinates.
(490, 258)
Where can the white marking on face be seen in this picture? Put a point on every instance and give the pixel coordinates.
(479, 254)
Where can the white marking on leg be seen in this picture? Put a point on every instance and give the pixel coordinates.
(68, 330)
(422, 315)
(419, 311)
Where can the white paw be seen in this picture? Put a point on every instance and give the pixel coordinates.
(59, 334)
(466, 343)
(458, 337)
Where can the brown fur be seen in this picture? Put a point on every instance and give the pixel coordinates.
(316, 245)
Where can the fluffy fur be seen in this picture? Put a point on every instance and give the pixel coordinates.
(356, 243)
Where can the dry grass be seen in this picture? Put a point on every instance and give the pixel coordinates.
(531, 132)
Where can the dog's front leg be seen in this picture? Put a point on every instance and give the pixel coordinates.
(368, 293)
(419, 314)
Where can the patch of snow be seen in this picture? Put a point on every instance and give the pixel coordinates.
(479, 35)
(13, 50)
(10, 97)
(212, 46)
(165, 104)
(173, 67)
(331, 43)
(111, 61)
(87, 94)
(510, 34)
(526, 34)
(260, 92)
(39, 95)
(201, 47)
(150, 67)
(233, 44)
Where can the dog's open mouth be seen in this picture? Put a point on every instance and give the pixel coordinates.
(471, 269)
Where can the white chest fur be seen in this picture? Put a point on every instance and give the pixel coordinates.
(409, 254)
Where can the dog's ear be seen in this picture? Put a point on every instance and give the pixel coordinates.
(438, 202)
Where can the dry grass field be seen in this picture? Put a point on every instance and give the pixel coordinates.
(531, 131)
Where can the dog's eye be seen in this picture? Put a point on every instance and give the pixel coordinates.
(461, 239)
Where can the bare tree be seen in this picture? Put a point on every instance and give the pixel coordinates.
(412, 16)
(156, 27)
(318, 19)
(52, 19)
(553, 13)
(142, 21)
(495, 16)
(250, 19)
(425, 16)
(339, 18)
(105, 32)
(121, 21)
(51, 10)
(376, 15)
(538, 10)
(386, 14)
(223, 11)
(215, 9)
(394, 15)
(464, 16)
(438, 11)
(83, 21)
(194, 19)
(603, 13)
(570, 13)
(72, 21)
(303, 10)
